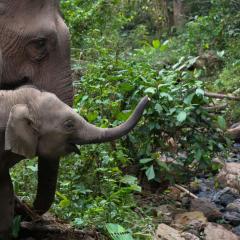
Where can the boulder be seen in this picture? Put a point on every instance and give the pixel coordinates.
(236, 230)
(232, 217)
(166, 212)
(189, 236)
(232, 214)
(229, 176)
(226, 196)
(167, 233)
(208, 208)
(215, 231)
(195, 220)
(234, 206)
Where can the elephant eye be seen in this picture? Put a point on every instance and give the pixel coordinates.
(41, 43)
(69, 124)
(37, 49)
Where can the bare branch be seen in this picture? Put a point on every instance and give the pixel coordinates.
(221, 96)
(185, 190)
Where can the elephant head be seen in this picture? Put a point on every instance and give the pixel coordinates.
(34, 42)
(49, 128)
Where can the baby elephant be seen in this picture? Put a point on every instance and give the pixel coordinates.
(35, 123)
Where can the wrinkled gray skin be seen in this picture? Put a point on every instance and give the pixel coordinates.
(35, 123)
(35, 49)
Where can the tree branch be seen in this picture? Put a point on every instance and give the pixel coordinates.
(221, 96)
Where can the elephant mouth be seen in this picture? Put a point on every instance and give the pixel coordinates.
(73, 148)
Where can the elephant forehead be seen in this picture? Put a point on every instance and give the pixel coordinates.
(20, 12)
(50, 100)
(30, 4)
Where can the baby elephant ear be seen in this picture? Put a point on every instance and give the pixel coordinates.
(20, 136)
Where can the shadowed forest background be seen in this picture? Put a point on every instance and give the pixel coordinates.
(173, 51)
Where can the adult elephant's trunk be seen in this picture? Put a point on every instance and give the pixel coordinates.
(91, 134)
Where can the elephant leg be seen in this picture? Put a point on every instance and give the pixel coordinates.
(47, 181)
(6, 205)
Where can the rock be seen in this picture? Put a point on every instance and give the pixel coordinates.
(232, 217)
(166, 212)
(229, 176)
(195, 220)
(167, 233)
(186, 201)
(226, 196)
(189, 236)
(215, 231)
(236, 230)
(208, 208)
(232, 213)
(234, 206)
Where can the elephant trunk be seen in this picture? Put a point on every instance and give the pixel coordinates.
(92, 134)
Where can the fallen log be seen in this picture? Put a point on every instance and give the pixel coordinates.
(56, 230)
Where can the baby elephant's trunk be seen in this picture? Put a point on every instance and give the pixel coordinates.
(92, 134)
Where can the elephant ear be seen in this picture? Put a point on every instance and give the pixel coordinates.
(20, 135)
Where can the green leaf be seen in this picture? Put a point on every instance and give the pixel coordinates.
(91, 116)
(156, 43)
(117, 232)
(126, 87)
(181, 117)
(164, 46)
(136, 188)
(65, 202)
(123, 116)
(151, 90)
(163, 165)
(145, 160)
(78, 221)
(221, 122)
(199, 92)
(150, 173)
(221, 54)
(130, 180)
(163, 94)
(158, 108)
(188, 99)
(33, 168)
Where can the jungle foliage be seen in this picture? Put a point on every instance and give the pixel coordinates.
(121, 51)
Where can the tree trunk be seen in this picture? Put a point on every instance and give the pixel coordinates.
(178, 13)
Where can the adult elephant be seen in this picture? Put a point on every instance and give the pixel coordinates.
(35, 49)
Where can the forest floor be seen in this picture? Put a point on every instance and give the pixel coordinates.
(206, 208)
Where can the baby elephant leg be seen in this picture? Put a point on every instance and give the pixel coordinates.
(6, 205)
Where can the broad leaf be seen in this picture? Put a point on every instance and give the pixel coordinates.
(181, 117)
(221, 122)
(150, 173)
(156, 43)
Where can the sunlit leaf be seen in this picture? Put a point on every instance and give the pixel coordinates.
(151, 90)
(150, 173)
(221, 122)
(145, 160)
(181, 117)
(156, 43)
